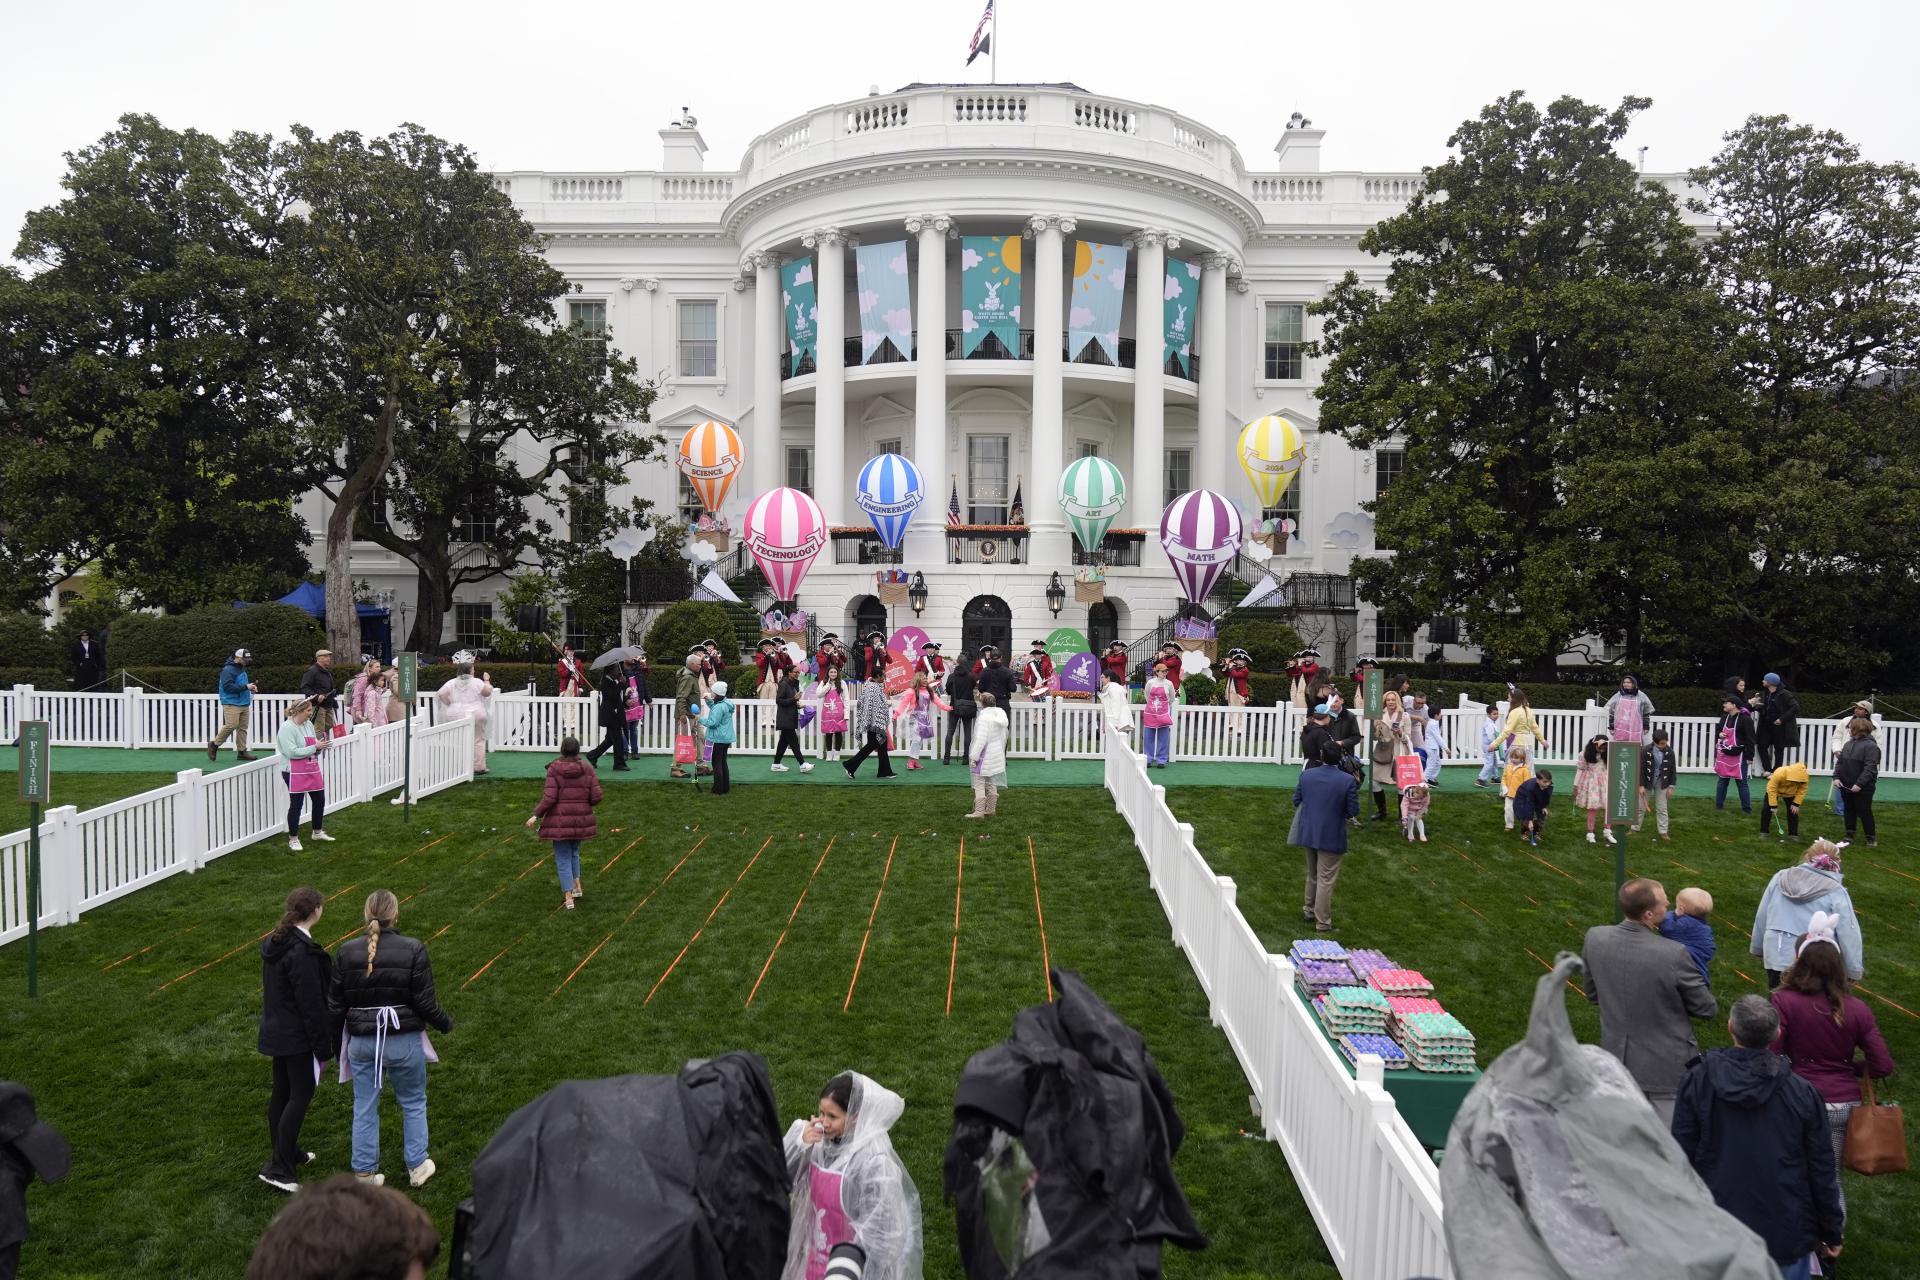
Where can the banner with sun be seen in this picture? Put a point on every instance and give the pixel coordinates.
(1099, 290)
(1182, 305)
(990, 293)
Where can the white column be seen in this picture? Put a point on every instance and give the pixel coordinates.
(1214, 464)
(1050, 547)
(1144, 484)
(926, 539)
(830, 386)
(763, 450)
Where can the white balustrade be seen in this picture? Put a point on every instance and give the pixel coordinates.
(89, 859)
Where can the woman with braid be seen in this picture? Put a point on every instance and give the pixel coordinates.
(382, 995)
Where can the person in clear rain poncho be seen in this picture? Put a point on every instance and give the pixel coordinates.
(850, 1187)
(465, 697)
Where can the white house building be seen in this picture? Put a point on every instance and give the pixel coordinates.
(681, 267)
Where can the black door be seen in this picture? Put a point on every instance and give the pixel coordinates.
(986, 620)
(1103, 625)
(869, 615)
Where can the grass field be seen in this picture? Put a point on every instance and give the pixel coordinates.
(141, 1045)
(1482, 915)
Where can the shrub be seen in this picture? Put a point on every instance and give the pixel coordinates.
(1268, 644)
(24, 642)
(278, 634)
(682, 626)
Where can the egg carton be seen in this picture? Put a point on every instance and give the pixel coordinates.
(1392, 1056)
(1400, 982)
(1364, 961)
(1317, 949)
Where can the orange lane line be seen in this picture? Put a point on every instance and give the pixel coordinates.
(709, 920)
(150, 946)
(623, 853)
(1743, 975)
(1469, 906)
(629, 916)
(510, 946)
(861, 958)
(1046, 959)
(442, 929)
(1549, 866)
(791, 916)
(429, 844)
(1530, 898)
(354, 885)
(531, 865)
(1463, 855)
(343, 937)
(1544, 965)
(953, 956)
(1683, 866)
(1883, 1000)
(208, 965)
(1870, 862)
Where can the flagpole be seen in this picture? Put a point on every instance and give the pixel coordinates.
(993, 51)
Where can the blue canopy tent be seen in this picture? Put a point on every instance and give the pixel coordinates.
(376, 620)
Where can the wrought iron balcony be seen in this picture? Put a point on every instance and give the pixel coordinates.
(1119, 549)
(986, 544)
(862, 546)
(990, 348)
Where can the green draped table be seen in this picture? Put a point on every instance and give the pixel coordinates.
(1428, 1100)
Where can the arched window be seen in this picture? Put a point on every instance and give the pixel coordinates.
(986, 620)
(868, 615)
(1103, 625)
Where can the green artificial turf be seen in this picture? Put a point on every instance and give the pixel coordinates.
(141, 1046)
(1481, 915)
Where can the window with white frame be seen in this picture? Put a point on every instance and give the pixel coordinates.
(800, 468)
(989, 472)
(470, 624)
(1086, 449)
(589, 502)
(699, 338)
(478, 522)
(1179, 473)
(377, 514)
(587, 320)
(1387, 466)
(576, 629)
(1284, 341)
(1391, 640)
(887, 446)
(688, 503)
(1288, 508)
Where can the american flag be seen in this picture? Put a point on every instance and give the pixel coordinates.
(982, 39)
(953, 504)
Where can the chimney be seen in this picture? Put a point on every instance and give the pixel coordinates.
(1299, 146)
(681, 146)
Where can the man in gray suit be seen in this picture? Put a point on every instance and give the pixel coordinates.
(1647, 988)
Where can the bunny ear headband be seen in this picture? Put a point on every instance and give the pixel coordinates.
(1819, 929)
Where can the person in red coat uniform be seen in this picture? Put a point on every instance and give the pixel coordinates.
(565, 814)
(1036, 670)
(870, 659)
(772, 664)
(987, 653)
(932, 665)
(569, 675)
(1239, 678)
(1115, 661)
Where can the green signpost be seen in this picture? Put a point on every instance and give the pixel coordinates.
(1623, 801)
(1376, 685)
(36, 790)
(409, 689)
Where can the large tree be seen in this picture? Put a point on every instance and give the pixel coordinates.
(437, 364)
(1546, 351)
(1817, 253)
(141, 432)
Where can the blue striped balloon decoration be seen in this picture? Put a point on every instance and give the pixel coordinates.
(890, 490)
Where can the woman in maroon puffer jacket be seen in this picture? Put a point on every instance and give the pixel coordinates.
(565, 814)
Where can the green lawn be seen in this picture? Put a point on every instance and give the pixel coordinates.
(1481, 915)
(141, 1045)
(81, 790)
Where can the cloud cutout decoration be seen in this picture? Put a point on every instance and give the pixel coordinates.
(868, 300)
(804, 275)
(1173, 289)
(1349, 530)
(899, 264)
(1193, 662)
(1080, 318)
(1119, 281)
(967, 323)
(969, 259)
(898, 321)
(698, 552)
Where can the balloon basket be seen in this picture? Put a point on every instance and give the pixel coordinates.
(1089, 592)
(719, 539)
(1209, 647)
(893, 594)
(1275, 542)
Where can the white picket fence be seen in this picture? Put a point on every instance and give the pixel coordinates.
(90, 858)
(1372, 1189)
(1057, 729)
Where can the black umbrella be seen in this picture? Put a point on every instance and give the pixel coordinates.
(619, 653)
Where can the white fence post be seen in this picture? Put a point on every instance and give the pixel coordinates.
(189, 819)
(60, 866)
(1221, 940)
(133, 728)
(23, 703)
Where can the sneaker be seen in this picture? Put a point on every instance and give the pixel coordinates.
(1592, 840)
(807, 767)
(310, 1157)
(1667, 838)
(280, 1181)
(1480, 784)
(293, 844)
(848, 770)
(371, 1179)
(397, 801)
(418, 1176)
(779, 768)
(213, 753)
(321, 836)
(245, 756)
(1608, 833)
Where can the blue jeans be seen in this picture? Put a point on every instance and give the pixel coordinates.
(406, 1071)
(1799, 1269)
(1720, 793)
(566, 861)
(1159, 739)
(1490, 771)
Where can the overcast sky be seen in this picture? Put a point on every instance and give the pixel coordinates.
(566, 85)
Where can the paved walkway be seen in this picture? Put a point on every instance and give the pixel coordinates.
(1021, 773)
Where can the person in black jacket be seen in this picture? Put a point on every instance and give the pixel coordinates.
(1316, 733)
(960, 684)
(1779, 727)
(294, 1030)
(382, 994)
(89, 662)
(786, 719)
(614, 697)
(998, 680)
(1856, 770)
(317, 686)
(28, 1146)
(1756, 1133)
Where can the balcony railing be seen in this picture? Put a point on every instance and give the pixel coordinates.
(1119, 549)
(990, 348)
(986, 544)
(862, 546)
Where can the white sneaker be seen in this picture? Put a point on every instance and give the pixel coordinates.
(293, 844)
(397, 801)
(418, 1176)
(321, 836)
(287, 1185)
(1591, 840)
(371, 1179)
(807, 767)
(1608, 833)
(779, 768)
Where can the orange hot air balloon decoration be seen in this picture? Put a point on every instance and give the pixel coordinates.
(710, 455)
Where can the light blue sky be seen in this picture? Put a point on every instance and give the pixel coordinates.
(567, 85)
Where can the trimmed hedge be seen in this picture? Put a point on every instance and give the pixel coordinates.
(277, 634)
(1268, 644)
(682, 626)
